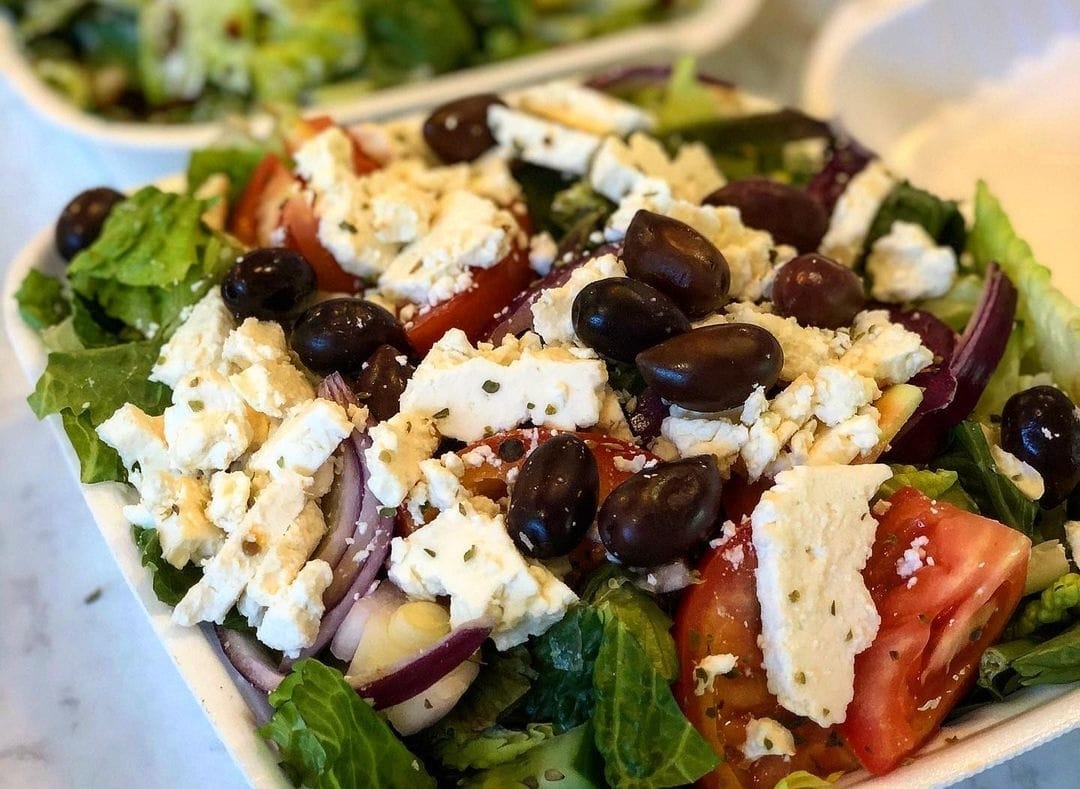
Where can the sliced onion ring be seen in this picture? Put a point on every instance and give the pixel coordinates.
(342, 505)
(418, 673)
(250, 658)
(348, 635)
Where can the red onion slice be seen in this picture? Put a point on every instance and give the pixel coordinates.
(418, 673)
(250, 658)
(935, 334)
(845, 161)
(348, 635)
(977, 355)
(342, 506)
(335, 387)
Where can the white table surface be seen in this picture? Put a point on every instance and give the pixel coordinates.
(88, 698)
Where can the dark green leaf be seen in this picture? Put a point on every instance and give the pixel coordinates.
(579, 202)
(563, 659)
(407, 34)
(98, 462)
(640, 731)
(330, 738)
(905, 203)
(1054, 662)
(995, 494)
(170, 583)
(613, 595)
(539, 186)
(41, 300)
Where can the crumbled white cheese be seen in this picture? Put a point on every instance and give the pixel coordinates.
(767, 737)
(542, 142)
(582, 107)
(207, 427)
(912, 560)
(196, 344)
(855, 211)
(398, 446)
(709, 668)
(291, 621)
(906, 265)
(620, 167)
(1023, 475)
(304, 440)
(542, 252)
(883, 350)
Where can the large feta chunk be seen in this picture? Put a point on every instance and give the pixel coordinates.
(229, 493)
(847, 440)
(721, 438)
(839, 392)
(469, 232)
(906, 265)
(228, 571)
(552, 308)
(468, 555)
(398, 446)
(813, 532)
(272, 388)
(255, 341)
(282, 560)
(620, 167)
(177, 505)
(855, 211)
(303, 441)
(581, 107)
(207, 426)
(542, 142)
(138, 438)
(883, 350)
(291, 622)
(196, 343)
(471, 392)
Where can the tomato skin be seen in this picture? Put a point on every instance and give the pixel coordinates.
(933, 632)
(474, 310)
(258, 209)
(302, 234)
(721, 615)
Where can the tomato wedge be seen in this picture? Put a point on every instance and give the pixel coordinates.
(302, 234)
(720, 615)
(474, 310)
(935, 624)
(258, 210)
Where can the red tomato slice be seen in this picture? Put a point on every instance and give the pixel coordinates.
(258, 210)
(934, 628)
(303, 129)
(473, 310)
(720, 615)
(302, 234)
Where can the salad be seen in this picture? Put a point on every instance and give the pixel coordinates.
(634, 432)
(166, 61)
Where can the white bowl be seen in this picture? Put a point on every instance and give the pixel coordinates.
(713, 24)
(948, 91)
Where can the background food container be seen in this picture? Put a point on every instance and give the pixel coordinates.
(712, 24)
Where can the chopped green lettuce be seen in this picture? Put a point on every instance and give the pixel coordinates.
(407, 36)
(154, 258)
(800, 779)
(568, 761)
(563, 658)
(615, 597)
(1011, 665)
(492, 747)
(636, 712)
(941, 485)
(941, 219)
(98, 462)
(1057, 603)
(235, 162)
(330, 738)
(41, 300)
(1050, 321)
(170, 583)
(955, 308)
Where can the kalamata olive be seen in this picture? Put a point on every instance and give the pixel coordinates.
(382, 380)
(713, 368)
(458, 131)
(270, 284)
(1041, 427)
(81, 220)
(341, 334)
(677, 260)
(662, 513)
(554, 499)
(817, 291)
(789, 214)
(621, 317)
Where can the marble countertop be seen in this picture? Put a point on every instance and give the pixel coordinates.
(88, 697)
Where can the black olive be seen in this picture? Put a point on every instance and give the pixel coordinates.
(787, 213)
(339, 335)
(554, 499)
(817, 291)
(676, 259)
(458, 131)
(1041, 427)
(382, 380)
(80, 223)
(270, 284)
(620, 317)
(713, 368)
(662, 513)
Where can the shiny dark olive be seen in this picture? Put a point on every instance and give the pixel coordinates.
(339, 335)
(621, 317)
(662, 513)
(382, 380)
(80, 223)
(554, 499)
(677, 260)
(790, 215)
(1041, 427)
(270, 284)
(713, 368)
(458, 131)
(817, 291)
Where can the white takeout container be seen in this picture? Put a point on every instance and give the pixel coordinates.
(697, 32)
(949, 91)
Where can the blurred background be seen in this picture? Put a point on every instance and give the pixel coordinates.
(944, 88)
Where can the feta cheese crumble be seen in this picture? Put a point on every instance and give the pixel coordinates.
(855, 211)
(709, 668)
(767, 737)
(906, 265)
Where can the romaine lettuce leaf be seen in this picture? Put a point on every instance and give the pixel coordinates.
(569, 761)
(492, 747)
(170, 583)
(613, 595)
(563, 658)
(41, 300)
(330, 738)
(941, 219)
(1050, 322)
(640, 731)
(236, 162)
(955, 308)
(941, 485)
(98, 462)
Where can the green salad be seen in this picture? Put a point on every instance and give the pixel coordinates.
(174, 61)
(634, 432)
